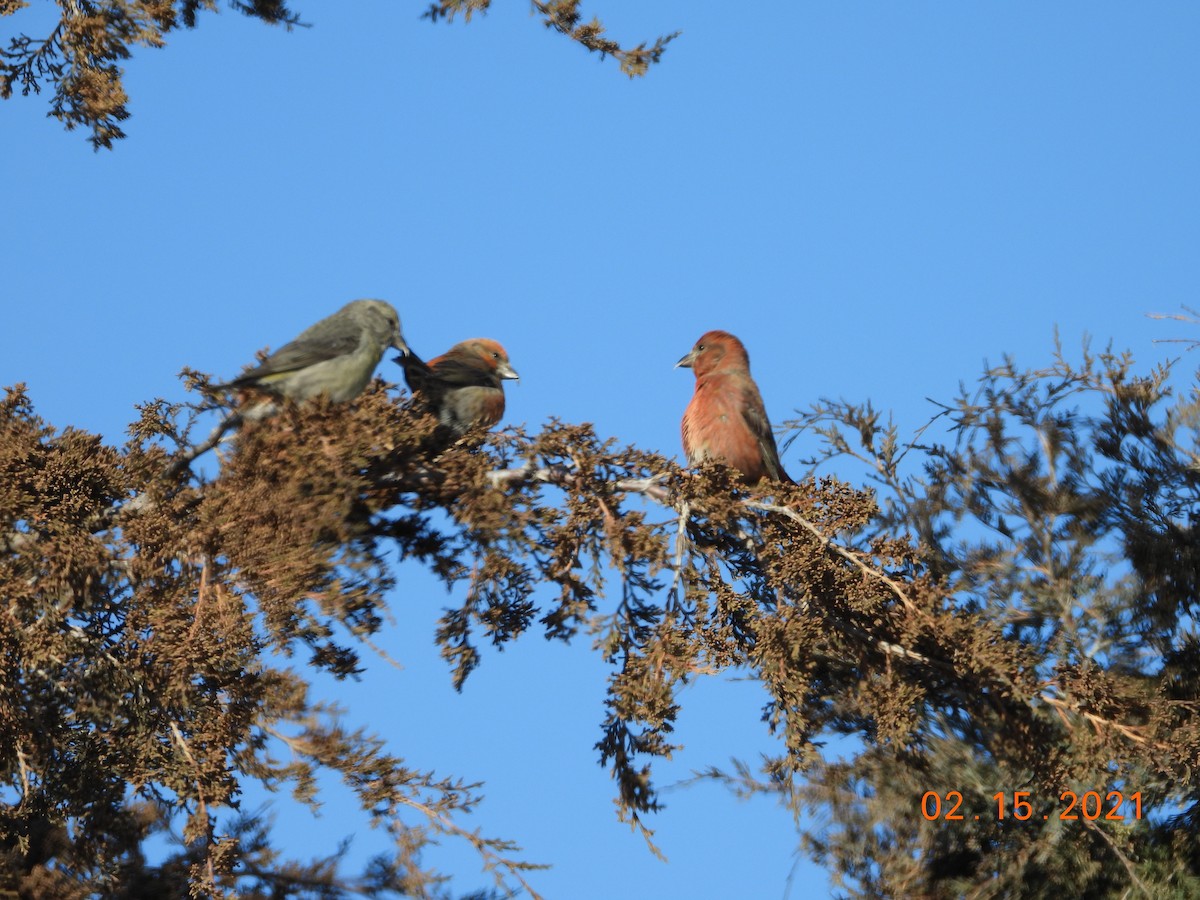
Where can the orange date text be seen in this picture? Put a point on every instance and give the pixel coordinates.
(1112, 806)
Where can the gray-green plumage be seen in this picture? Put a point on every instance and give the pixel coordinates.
(335, 357)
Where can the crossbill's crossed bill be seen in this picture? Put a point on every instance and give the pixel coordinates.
(726, 420)
(464, 387)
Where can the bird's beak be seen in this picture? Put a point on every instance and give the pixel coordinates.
(399, 344)
(686, 362)
(504, 370)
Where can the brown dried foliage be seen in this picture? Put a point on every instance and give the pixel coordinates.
(147, 640)
(80, 58)
(565, 17)
(172, 614)
(152, 614)
(1060, 520)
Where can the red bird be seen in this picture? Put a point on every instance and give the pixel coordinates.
(726, 420)
(464, 386)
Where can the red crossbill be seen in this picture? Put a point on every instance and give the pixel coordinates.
(464, 386)
(726, 420)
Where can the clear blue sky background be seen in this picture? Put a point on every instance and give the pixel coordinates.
(875, 196)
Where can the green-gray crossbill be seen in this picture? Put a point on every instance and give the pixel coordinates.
(335, 357)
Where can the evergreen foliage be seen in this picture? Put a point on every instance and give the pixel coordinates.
(1013, 615)
(80, 59)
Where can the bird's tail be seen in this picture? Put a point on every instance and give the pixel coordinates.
(417, 374)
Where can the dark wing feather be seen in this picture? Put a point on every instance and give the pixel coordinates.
(417, 373)
(456, 372)
(424, 382)
(755, 414)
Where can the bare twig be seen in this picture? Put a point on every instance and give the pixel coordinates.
(24, 766)
(185, 459)
(678, 589)
(1099, 723)
(1125, 860)
(200, 799)
(828, 543)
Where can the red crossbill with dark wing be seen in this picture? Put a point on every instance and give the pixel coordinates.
(464, 387)
(726, 420)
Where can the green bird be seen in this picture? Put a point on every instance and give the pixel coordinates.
(335, 357)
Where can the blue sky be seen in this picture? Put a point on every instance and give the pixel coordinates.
(875, 196)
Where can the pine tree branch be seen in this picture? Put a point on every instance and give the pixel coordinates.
(564, 17)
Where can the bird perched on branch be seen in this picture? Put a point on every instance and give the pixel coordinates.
(335, 357)
(726, 420)
(464, 387)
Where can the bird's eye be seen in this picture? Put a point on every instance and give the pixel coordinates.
(495, 355)
(699, 346)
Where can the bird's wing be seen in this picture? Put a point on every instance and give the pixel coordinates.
(755, 414)
(300, 354)
(455, 372)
